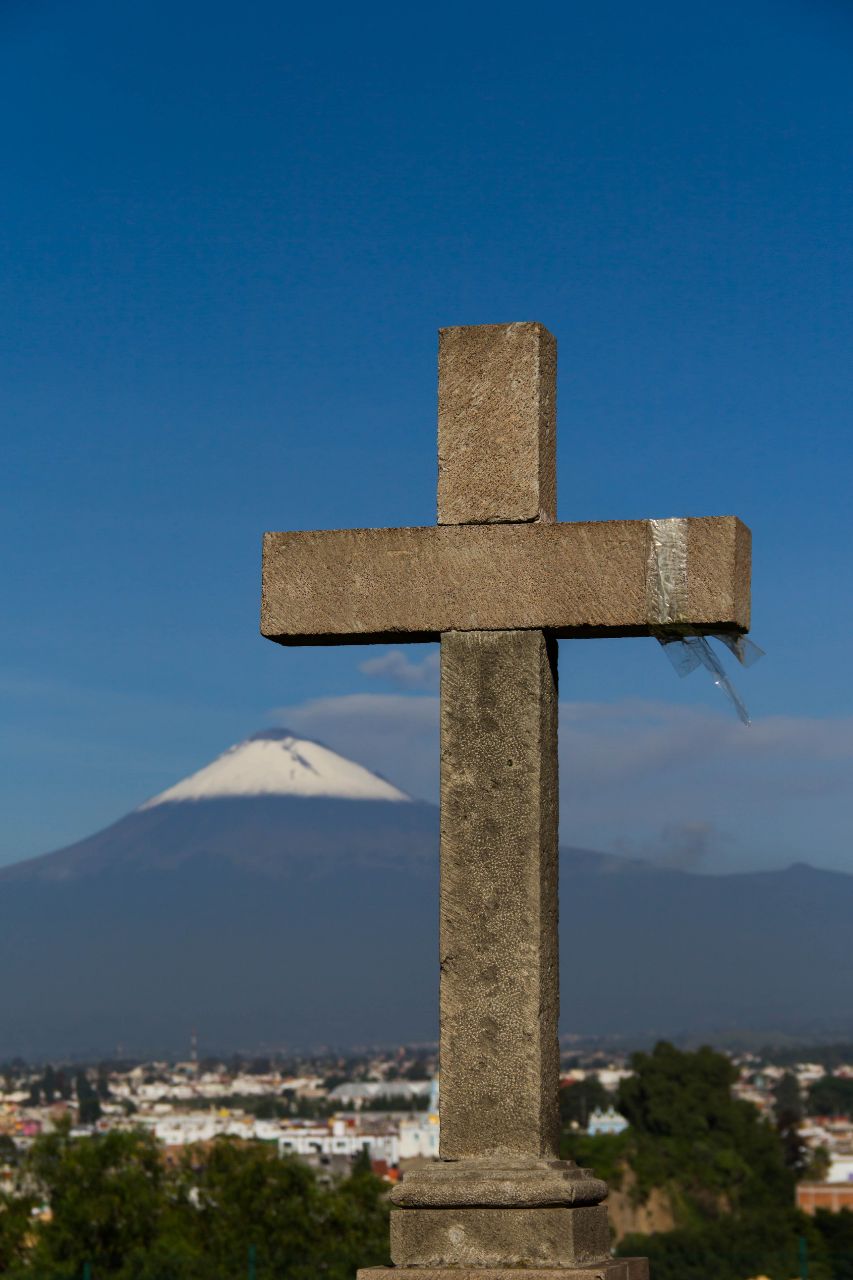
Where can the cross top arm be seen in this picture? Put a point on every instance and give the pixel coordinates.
(580, 580)
(497, 560)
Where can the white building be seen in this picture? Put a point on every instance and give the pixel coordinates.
(840, 1168)
(183, 1128)
(609, 1121)
(611, 1077)
(340, 1138)
(419, 1135)
(356, 1093)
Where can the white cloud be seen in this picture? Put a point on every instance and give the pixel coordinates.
(399, 670)
(683, 785)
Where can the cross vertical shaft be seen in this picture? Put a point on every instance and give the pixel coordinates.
(498, 915)
(499, 1196)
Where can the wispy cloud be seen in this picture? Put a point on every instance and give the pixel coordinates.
(395, 667)
(682, 786)
(687, 846)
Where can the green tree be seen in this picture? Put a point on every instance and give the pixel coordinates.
(836, 1233)
(788, 1111)
(817, 1168)
(831, 1096)
(579, 1099)
(89, 1110)
(787, 1098)
(49, 1085)
(269, 1107)
(246, 1194)
(607, 1153)
(88, 1104)
(107, 1200)
(15, 1228)
(724, 1170)
(733, 1248)
(356, 1224)
(117, 1207)
(8, 1150)
(712, 1152)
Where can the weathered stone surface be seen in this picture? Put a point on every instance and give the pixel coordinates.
(610, 1269)
(497, 399)
(498, 1237)
(553, 1237)
(582, 579)
(498, 905)
(493, 1181)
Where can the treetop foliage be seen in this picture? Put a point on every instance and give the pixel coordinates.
(723, 1168)
(832, 1096)
(714, 1152)
(118, 1206)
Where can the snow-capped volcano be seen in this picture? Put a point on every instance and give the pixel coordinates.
(275, 762)
(264, 902)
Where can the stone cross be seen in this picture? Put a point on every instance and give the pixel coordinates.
(498, 581)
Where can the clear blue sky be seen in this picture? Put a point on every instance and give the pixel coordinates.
(228, 236)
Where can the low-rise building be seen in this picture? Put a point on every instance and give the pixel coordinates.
(834, 1196)
(356, 1093)
(339, 1137)
(606, 1122)
(419, 1135)
(840, 1167)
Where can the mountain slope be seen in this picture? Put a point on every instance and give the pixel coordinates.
(268, 803)
(292, 919)
(272, 835)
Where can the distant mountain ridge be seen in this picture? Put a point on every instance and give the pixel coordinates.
(261, 912)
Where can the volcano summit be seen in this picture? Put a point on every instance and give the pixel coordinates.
(275, 762)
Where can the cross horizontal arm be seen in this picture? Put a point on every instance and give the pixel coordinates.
(352, 586)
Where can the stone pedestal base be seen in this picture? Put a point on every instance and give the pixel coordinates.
(612, 1269)
(498, 1181)
(478, 1237)
(507, 1211)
